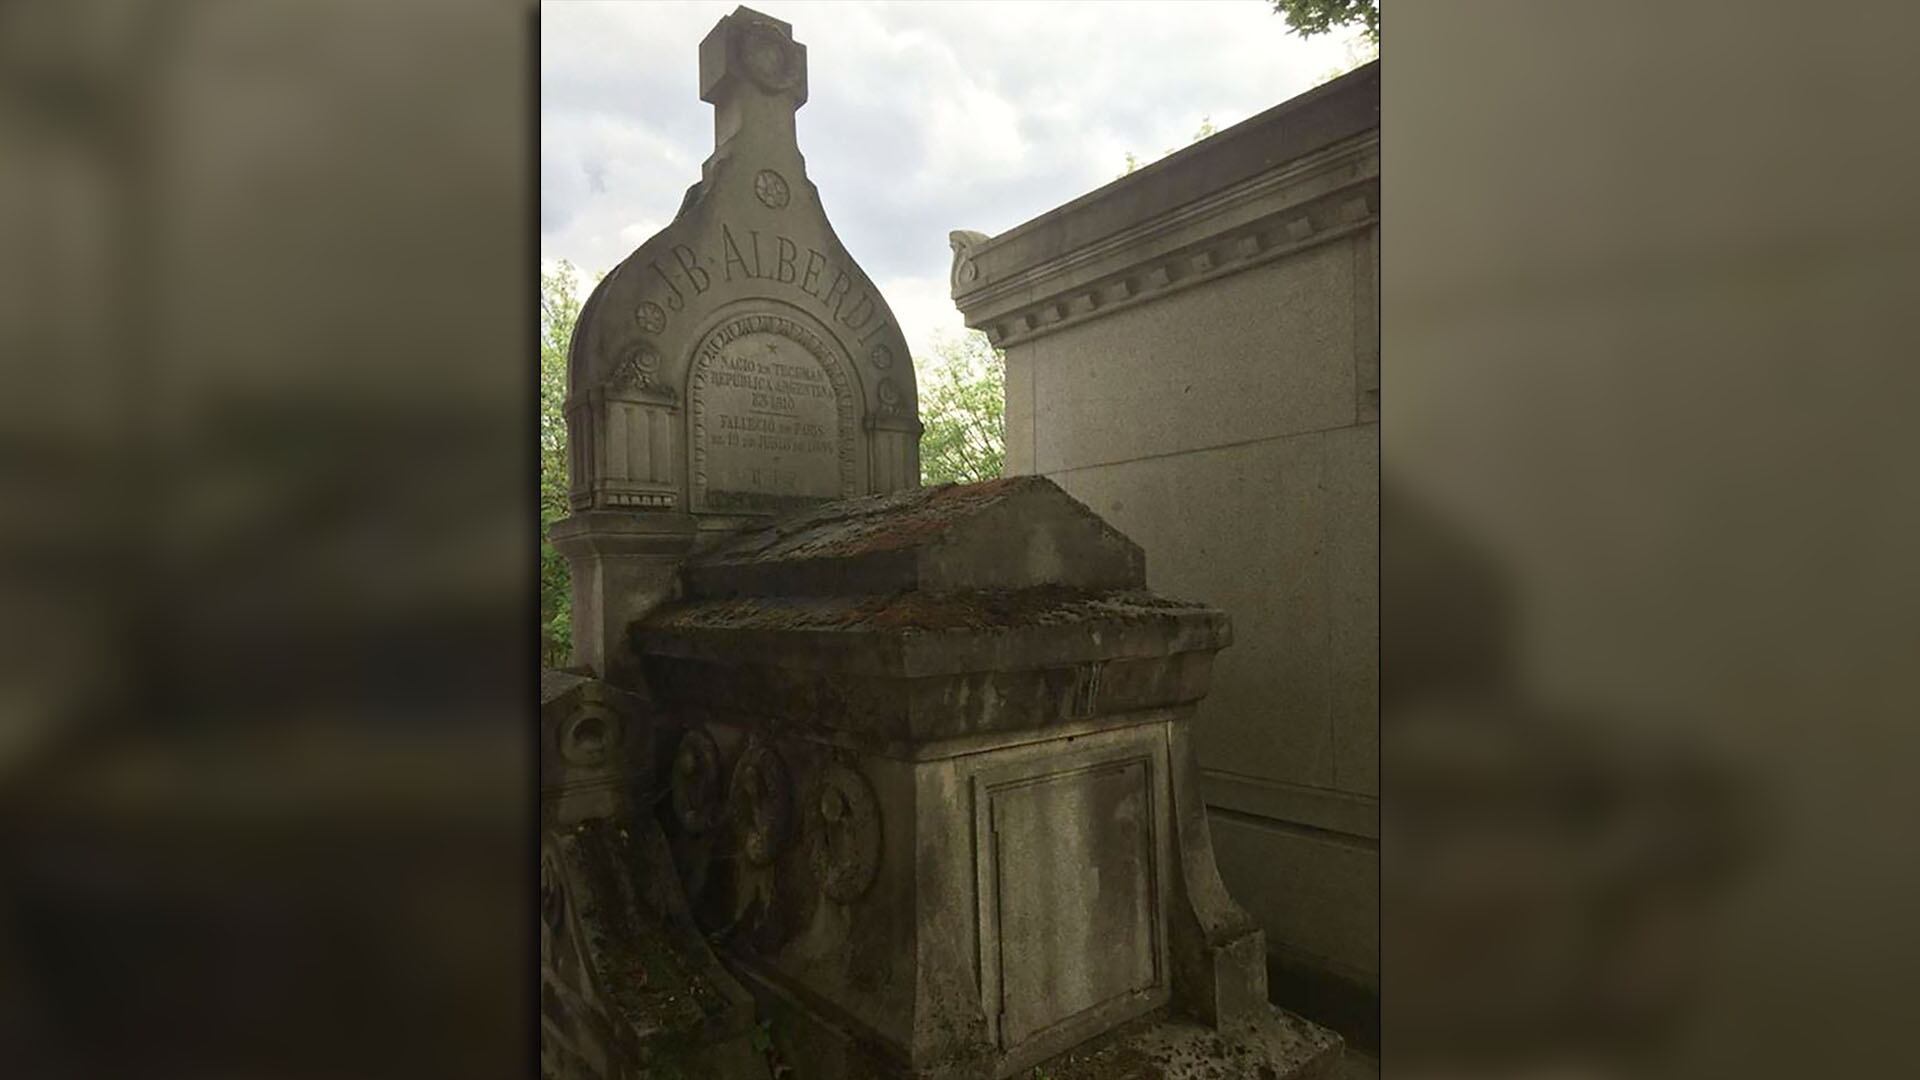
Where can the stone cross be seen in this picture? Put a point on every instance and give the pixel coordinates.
(755, 76)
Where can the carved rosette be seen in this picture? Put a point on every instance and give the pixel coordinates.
(637, 370)
(847, 857)
(696, 790)
(762, 804)
(651, 317)
(771, 189)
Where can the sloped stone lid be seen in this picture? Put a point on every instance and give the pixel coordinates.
(920, 634)
(1014, 533)
(1008, 574)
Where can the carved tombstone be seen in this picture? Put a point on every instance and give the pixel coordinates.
(736, 365)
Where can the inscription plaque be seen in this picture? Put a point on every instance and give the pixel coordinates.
(772, 423)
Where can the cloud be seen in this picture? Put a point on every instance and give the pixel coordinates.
(922, 117)
(923, 309)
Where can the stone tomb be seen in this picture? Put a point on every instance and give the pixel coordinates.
(738, 364)
(937, 797)
(930, 788)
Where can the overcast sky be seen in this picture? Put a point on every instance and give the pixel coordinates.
(921, 117)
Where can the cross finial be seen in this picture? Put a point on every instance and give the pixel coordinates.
(754, 74)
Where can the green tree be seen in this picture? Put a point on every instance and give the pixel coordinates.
(559, 309)
(1310, 17)
(963, 408)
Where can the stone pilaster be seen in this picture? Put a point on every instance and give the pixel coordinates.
(623, 565)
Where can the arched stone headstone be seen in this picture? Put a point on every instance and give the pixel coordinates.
(736, 365)
(739, 362)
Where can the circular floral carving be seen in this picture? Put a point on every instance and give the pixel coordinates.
(762, 804)
(771, 188)
(651, 317)
(889, 395)
(636, 368)
(881, 357)
(848, 855)
(696, 782)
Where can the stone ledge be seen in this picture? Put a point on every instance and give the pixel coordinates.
(1301, 174)
(1313, 121)
(1321, 808)
(911, 635)
(1303, 205)
(1275, 1046)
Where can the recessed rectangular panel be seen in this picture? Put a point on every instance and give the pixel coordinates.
(1073, 893)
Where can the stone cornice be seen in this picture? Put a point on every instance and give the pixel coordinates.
(1301, 174)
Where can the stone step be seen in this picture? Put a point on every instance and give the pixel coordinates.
(1275, 1046)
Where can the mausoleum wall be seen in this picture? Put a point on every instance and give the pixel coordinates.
(1193, 352)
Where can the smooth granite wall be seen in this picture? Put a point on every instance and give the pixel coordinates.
(1229, 424)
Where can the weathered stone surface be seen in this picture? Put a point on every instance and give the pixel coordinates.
(1193, 351)
(590, 749)
(922, 760)
(982, 843)
(628, 987)
(738, 364)
(1274, 1045)
(1014, 533)
(914, 634)
(1302, 172)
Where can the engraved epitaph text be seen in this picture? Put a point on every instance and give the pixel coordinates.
(772, 417)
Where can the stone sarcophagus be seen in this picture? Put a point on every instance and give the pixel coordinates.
(936, 800)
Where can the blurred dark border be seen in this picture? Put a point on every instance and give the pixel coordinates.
(269, 315)
(269, 586)
(1648, 604)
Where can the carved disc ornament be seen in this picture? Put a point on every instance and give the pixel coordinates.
(762, 804)
(588, 737)
(651, 317)
(697, 804)
(771, 188)
(769, 58)
(848, 856)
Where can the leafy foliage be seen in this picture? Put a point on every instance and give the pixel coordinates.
(559, 309)
(1310, 17)
(963, 406)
